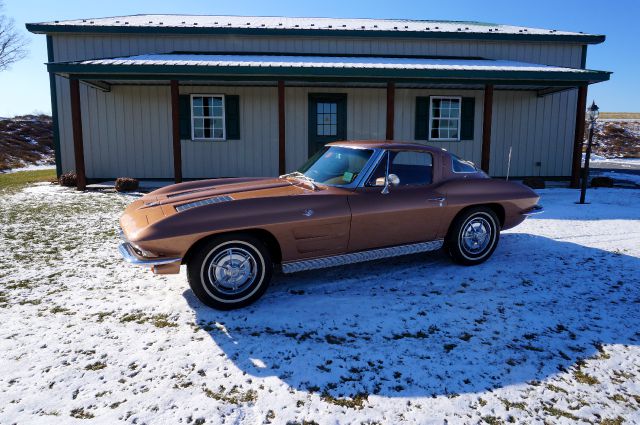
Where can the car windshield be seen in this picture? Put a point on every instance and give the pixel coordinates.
(335, 165)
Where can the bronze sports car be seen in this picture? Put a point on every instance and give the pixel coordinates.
(351, 202)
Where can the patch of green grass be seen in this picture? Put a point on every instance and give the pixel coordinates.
(584, 378)
(509, 404)
(356, 402)
(557, 389)
(449, 347)
(157, 320)
(80, 413)
(614, 421)
(553, 411)
(95, 366)
(492, 420)
(21, 178)
(233, 396)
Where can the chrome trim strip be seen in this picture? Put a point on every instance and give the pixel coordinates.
(130, 257)
(536, 209)
(203, 202)
(358, 257)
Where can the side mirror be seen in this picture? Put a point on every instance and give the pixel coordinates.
(391, 180)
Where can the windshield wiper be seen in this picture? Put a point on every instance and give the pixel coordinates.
(301, 176)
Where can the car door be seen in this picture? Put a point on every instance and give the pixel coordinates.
(409, 213)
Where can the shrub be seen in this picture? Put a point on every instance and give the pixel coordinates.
(534, 182)
(126, 184)
(602, 182)
(69, 179)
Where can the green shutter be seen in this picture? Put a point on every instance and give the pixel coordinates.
(422, 118)
(184, 102)
(232, 117)
(467, 114)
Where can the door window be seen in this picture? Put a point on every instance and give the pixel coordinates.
(412, 168)
(327, 119)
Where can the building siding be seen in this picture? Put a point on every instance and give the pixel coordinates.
(254, 155)
(76, 47)
(127, 131)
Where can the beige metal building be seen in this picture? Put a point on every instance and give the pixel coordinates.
(182, 97)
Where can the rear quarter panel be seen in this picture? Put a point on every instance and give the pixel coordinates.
(463, 193)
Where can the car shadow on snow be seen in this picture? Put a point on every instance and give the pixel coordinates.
(421, 326)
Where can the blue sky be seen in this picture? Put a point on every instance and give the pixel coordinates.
(25, 87)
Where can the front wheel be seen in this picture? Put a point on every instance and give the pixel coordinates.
(473, 236)
(230, 272)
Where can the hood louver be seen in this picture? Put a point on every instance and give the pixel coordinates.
(203, 202)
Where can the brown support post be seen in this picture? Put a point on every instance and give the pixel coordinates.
(281, 130)
(78, 144)
(578, 140)
(391, 94)
(175, 126)
(486, 127)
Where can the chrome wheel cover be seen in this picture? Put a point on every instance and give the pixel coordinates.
(232, 270)
(476, 235)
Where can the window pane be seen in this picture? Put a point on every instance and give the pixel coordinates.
(334, 108)
(435, 103)
(333, 130)
(453, 133)
(412, 168)
(198, 133)
(455, 112)
(217, 133)
(197, 101)
(198, 123)
(320, 131)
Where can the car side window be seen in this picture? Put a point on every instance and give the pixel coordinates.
(461, 166)
(412, 168)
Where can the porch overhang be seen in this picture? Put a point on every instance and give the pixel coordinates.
(337, 69)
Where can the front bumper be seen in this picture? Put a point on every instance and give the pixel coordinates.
(534, 210)
(131, 256)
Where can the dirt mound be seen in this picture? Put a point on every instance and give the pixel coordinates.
(26, 140)
(616, 139)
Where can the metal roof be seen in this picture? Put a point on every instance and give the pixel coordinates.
(327, 66)
(308, 26)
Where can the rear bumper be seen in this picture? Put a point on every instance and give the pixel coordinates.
(534, 210)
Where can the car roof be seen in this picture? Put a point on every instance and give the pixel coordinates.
(386, 144)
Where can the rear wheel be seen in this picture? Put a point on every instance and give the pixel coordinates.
(230, 272)
(473, 236)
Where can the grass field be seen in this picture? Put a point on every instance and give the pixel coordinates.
(620, 115)
(21, 178)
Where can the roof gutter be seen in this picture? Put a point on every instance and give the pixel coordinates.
(45, 28)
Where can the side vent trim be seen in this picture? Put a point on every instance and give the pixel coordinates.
(203, 202)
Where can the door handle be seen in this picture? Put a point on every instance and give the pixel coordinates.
(440, 200)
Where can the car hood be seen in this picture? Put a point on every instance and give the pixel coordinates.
(171, 199)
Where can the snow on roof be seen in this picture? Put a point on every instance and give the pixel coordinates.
(294, 23)
(272, 61)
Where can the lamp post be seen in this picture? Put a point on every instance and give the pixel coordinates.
(593, 113)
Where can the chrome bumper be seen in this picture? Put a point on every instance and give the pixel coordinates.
(130, 256)
(536, 209)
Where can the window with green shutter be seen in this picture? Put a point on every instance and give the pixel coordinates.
(209, 117)
(444, 118)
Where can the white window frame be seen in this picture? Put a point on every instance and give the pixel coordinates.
(431, 118)
(193, 118)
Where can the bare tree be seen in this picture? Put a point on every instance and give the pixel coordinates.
(12, 43)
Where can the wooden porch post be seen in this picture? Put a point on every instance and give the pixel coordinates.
(486, 127)
(391, 94)
(281, 130)
(576, 161)
(76, 122)
(175, 126)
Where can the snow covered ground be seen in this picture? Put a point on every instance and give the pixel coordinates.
(546, 331)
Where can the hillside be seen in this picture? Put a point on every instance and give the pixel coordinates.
(616, 139)
(26, 140)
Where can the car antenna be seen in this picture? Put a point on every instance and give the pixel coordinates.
(509, 163)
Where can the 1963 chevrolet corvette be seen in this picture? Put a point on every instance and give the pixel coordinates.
(351, 202)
